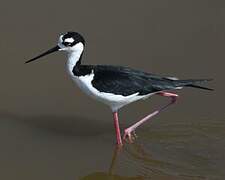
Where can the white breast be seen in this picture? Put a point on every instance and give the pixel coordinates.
(114, 101)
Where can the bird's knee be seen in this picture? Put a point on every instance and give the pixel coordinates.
(173, 96)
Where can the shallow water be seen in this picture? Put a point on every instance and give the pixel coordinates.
(57, 148)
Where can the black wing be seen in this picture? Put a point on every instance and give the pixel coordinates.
(125, 81)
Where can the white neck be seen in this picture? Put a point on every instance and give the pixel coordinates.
(74, 54)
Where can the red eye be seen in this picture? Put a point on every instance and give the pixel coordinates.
(66, 43)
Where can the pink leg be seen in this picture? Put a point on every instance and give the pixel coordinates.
(128, 131)
(117, 128)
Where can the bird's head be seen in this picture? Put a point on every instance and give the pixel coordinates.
(69, 42)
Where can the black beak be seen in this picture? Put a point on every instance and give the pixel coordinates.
(56, 48)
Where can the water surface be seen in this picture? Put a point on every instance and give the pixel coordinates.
(56, 148)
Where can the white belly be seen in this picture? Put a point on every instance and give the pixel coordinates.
(114, 101)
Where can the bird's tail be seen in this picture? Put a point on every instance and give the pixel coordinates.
(192, 83)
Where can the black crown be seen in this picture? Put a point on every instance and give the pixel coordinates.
(76, 37)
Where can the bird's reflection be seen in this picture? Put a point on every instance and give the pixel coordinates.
(133, 156)
(111, 174)
(140, 163)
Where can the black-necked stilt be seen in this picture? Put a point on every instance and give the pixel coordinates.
(116, 86)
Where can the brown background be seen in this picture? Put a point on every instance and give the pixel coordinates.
(183, 38)
(178, 38)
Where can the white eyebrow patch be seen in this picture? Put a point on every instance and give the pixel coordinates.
(69, 40)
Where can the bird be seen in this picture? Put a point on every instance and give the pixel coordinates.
(117, 86)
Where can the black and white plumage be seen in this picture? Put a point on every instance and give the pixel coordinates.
(115, 86)
(127, 82)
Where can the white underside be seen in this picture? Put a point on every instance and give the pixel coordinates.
(114, 101)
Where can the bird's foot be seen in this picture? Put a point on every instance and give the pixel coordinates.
(129, 135)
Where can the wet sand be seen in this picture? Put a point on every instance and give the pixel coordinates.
(56, 148)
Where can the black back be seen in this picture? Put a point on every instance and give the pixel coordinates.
(123, 81)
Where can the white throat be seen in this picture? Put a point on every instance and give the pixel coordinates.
(74, 54)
